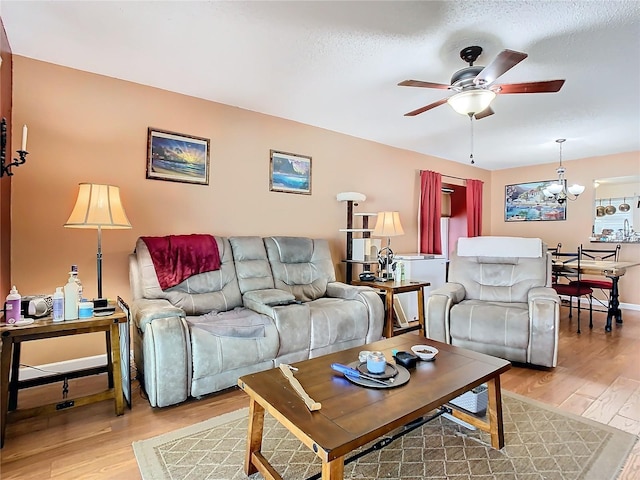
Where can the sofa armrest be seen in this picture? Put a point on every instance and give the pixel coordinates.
(269, 296)
(537, 294)
(292, 318)
(144, 311)
(453, 291)
(162, 351)
(436, 316)
(344, 290)
(544, 315)
(366, 295)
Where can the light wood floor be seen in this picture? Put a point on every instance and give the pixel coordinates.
(598, 377)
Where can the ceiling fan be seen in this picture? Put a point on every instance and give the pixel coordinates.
(474, 87)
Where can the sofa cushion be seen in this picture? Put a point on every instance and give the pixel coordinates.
(504, 324)
(301, 266)
(202, 293)
(239, 323)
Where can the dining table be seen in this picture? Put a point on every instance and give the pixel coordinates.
(606, 268)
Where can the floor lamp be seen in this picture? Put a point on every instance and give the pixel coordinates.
(388, 225)
(98, 207)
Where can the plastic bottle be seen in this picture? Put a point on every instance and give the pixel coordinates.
(58, 305)
(12, 306)
(74, 269)
(71, 298)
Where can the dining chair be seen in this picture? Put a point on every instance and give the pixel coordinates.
(604, 285)
(566, 265)
(553, 251)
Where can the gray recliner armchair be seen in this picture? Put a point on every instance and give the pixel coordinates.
(498, 300)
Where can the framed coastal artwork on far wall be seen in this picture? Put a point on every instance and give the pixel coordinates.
(289, 173)
(177, 157)
(525, 202)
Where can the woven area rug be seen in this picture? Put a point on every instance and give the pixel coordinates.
(541, 443)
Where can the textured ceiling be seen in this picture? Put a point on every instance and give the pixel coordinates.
(336, 65)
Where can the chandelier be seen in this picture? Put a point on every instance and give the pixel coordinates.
(559, 190)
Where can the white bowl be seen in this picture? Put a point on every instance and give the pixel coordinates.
(425, 352)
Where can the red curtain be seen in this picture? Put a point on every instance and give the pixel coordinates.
(430, 211)
(474, 208)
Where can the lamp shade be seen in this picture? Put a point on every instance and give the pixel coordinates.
(471, 101)
(388, 225)
(98, 206)
(555, 188)
(576, 189)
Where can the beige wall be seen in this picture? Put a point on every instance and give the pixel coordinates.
(576, 229)
(90, 128)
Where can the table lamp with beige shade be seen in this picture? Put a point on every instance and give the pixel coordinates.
(387, 225)
(98, 207)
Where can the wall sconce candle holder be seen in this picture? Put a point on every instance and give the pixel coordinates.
(5, 169)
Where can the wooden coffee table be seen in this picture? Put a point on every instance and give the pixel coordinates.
(352, 416)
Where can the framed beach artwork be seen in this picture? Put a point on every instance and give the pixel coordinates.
(525, 202)
(289, 173)
(176, 157)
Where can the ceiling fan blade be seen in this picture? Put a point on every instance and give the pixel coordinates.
(505, 60)
(419, 83)
(484, 113)
(425, 108)
(549, 86)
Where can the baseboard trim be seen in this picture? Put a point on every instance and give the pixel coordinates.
(48, 369)
(623, 306)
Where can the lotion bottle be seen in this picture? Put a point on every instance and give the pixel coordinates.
(71, 298)
(12, 306)
(58, 305)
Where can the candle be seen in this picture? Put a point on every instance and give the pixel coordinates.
(24, 138)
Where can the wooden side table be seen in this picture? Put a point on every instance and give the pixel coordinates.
(13, 336)
(390, 289)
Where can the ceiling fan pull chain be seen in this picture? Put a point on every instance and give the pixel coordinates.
(471, 155)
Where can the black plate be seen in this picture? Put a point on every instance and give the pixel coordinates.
(390, 371)
(400, 379)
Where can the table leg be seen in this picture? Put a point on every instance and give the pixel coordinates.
(114, 363)
(13, 381)
(496, 427)
(388, 327)
(5, 362)
(421, 319)
(614, 305)
(107, 335)
(333, 470)
(254, 436)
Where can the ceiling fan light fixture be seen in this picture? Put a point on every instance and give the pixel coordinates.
(471, 101)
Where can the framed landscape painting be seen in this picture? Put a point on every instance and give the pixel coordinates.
(177, 157)
(289, 173)
(525, 202)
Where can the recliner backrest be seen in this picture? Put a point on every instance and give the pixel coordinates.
(217, 290)
(301, 266)
(252, 265)
(500, 279)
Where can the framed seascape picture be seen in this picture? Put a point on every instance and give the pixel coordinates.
(525, 202)
(289, 173)
(177, 157)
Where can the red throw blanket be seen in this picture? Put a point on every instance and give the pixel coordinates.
(178, 257)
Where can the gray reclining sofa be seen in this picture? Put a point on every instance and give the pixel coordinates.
(272, 300)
